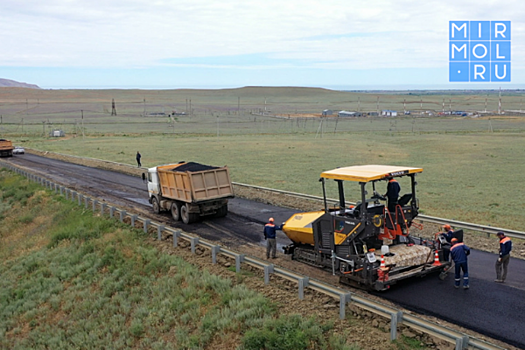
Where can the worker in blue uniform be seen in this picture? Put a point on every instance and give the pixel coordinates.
(459, 253)
(270, 234)
(505, 246)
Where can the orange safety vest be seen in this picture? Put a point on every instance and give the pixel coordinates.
(504, 240)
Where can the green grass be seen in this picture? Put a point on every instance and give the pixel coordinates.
(90, 282)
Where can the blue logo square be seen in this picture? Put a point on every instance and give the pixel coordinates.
(500, 71)
(500, 30)
(500, 51)
(480, 50)
(458, 30)
(458, 51)
(479, 30)
(480, 72)
(458, 71)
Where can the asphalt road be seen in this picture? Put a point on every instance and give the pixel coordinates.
(489, 308)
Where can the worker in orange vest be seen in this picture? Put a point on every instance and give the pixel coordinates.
(459, 253)
(270, 235)
(505, 246)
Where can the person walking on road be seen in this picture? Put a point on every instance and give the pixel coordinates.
(138, 159)
(459, 253)
(505, 246)
(270, 233)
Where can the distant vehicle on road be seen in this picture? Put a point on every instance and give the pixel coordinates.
(19, 150)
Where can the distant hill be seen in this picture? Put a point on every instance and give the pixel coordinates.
(12, 83)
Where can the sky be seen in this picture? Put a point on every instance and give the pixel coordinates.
(154, 44)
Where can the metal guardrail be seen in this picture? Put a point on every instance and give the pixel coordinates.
(397, 317)
(426, 218)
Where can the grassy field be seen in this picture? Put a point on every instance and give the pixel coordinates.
(71, 280)
(472, 166)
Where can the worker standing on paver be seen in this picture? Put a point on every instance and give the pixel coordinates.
(459, 253)
(505, 246)
(392, 193)
(270, 234)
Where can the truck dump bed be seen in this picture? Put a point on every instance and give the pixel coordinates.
(193, 182)
(6, 148)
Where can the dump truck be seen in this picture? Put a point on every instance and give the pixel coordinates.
(189, 190)
(365, 243)
(6, 148)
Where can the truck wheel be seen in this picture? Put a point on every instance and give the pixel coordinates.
(155, 205)
(186, 216)
(222, 211)
(175, 211)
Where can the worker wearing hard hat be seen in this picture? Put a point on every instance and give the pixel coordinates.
(270, 234)
(459, 253)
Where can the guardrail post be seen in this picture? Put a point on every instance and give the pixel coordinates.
(462, 343)
(133, 218)
(103, 208)
(395, 318)
(122, 215)
(80, 197)
(62, 190)
(176, 235)
(268, 269)
(238, 260)
(214, 251)
(343, 299)
(303, 283)
(160, 228)
(95, 202)
(146, 224)
(194, 241)
(67, 194)
(111, 211)
(86, 202)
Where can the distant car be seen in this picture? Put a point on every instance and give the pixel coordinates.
(19, 150)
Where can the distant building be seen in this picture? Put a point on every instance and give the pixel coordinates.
(347, 114)
(57, 133)
(389, 113)
(327, 112)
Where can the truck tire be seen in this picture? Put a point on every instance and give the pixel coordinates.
(175, 211)
(222, 211)
(186, 216)
(155, 205)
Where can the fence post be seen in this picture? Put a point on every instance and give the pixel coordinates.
(214, 251)
(343, 299)
(194, 241)
(238, 260)
(303, 283)
(395, 319)
(176, 235)
(268, 269)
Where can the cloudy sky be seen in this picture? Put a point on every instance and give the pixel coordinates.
(348, 44)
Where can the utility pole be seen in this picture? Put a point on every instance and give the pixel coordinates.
(82, 116)
(144, 114)
(358, 103)
(499, 102)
